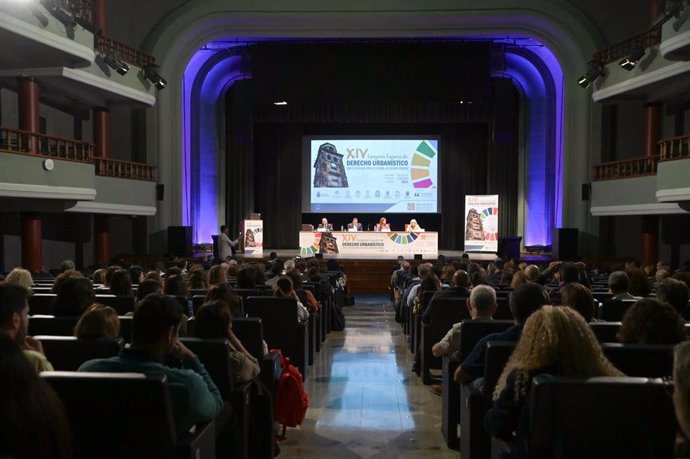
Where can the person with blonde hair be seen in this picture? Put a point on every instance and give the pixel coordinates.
(21, 277)
(216, 276)
(556, 340)
(98, 321)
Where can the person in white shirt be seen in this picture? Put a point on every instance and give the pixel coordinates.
(226, 246)
(413, 226)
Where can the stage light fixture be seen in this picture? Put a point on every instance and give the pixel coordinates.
(88, 25)
(629, 62)
(61, 14)
(280, 102)
(151, 74)
(594, 71)
(116, 64)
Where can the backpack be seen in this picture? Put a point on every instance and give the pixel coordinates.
(291, 401)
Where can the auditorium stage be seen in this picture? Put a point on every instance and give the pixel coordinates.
(452, 254)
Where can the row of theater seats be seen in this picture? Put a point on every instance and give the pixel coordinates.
(465, 406)
(139, 420)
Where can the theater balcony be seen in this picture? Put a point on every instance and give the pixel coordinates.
(650, 185)
(60, 174)
(653, 65)
(38, 38)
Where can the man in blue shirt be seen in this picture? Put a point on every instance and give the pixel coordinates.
(155, 327)
(524, 300)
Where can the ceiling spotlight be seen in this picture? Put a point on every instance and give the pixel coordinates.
(280, 102)
(151, 74)
(594, 71)
(116, 64)
(629, 62)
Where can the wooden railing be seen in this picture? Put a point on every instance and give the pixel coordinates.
(29, 143)
(674, 148)
(620, 50)
(627, 168)
(124, 52)
(124, 169)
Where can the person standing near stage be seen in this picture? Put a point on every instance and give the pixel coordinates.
(226, 246)
(325, 226)
(355, 225)
(382, 225)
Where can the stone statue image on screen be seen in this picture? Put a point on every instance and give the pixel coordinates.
(249, 240)
(328, 243)
(330, 170)
(474, 229)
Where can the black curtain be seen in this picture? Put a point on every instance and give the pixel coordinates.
(278, 173)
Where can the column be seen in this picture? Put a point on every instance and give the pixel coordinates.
(101, 232)
(29, 111)
(100, 15)
(101, 131)
(32, 254)
(650, 223)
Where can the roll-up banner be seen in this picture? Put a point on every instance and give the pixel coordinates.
(481, 223)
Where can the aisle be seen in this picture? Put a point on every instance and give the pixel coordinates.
(365, 401)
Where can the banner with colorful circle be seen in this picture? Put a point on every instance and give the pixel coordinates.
(481, 223)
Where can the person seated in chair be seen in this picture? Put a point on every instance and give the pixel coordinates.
(355, 225)
(619, 283)
(155, 335)
(413, 227)
(556, 341)
(524, 300)
(382, 225)
(14, 320)
(324, 225)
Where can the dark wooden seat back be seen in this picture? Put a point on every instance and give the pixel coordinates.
(67, 353)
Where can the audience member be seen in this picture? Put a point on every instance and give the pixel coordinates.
(675, 293)
(75, 295)
(98, 276)
(147, 287)
(213, 320)
(98, 321)
(155, 327)
(523, 302)
(246, 278)
(217, 276)
(649, 321)
(33, 422)
(681, 381)
(284, 289)
(555, 341)
(639, 283)
(222, 292)
(579, 297)
(459, 289)
(305, 296)
(67, 264)
(21, 277)
(14, 320)
(120, 283)
(57, 284)
(519, 278)
(175, 286)
(136, 274)
(197, 280)
(619, 283)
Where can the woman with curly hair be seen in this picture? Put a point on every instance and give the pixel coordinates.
(21, 277)
(556, 340)
(650, 321)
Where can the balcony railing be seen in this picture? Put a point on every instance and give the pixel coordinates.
(674, 148)
(80, 8)
(29, 143)
(124, 169)
(124, 52)
(627, 168)
(620, 50)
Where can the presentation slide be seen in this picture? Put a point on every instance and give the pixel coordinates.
(373, 175)
(481, 223)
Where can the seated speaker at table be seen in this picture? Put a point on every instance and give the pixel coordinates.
(324, 225)
(355, 225)
(382, 225)
(413, 226)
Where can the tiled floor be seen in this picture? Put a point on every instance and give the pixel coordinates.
(364, 400)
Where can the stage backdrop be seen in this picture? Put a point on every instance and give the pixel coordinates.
(481, 223)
